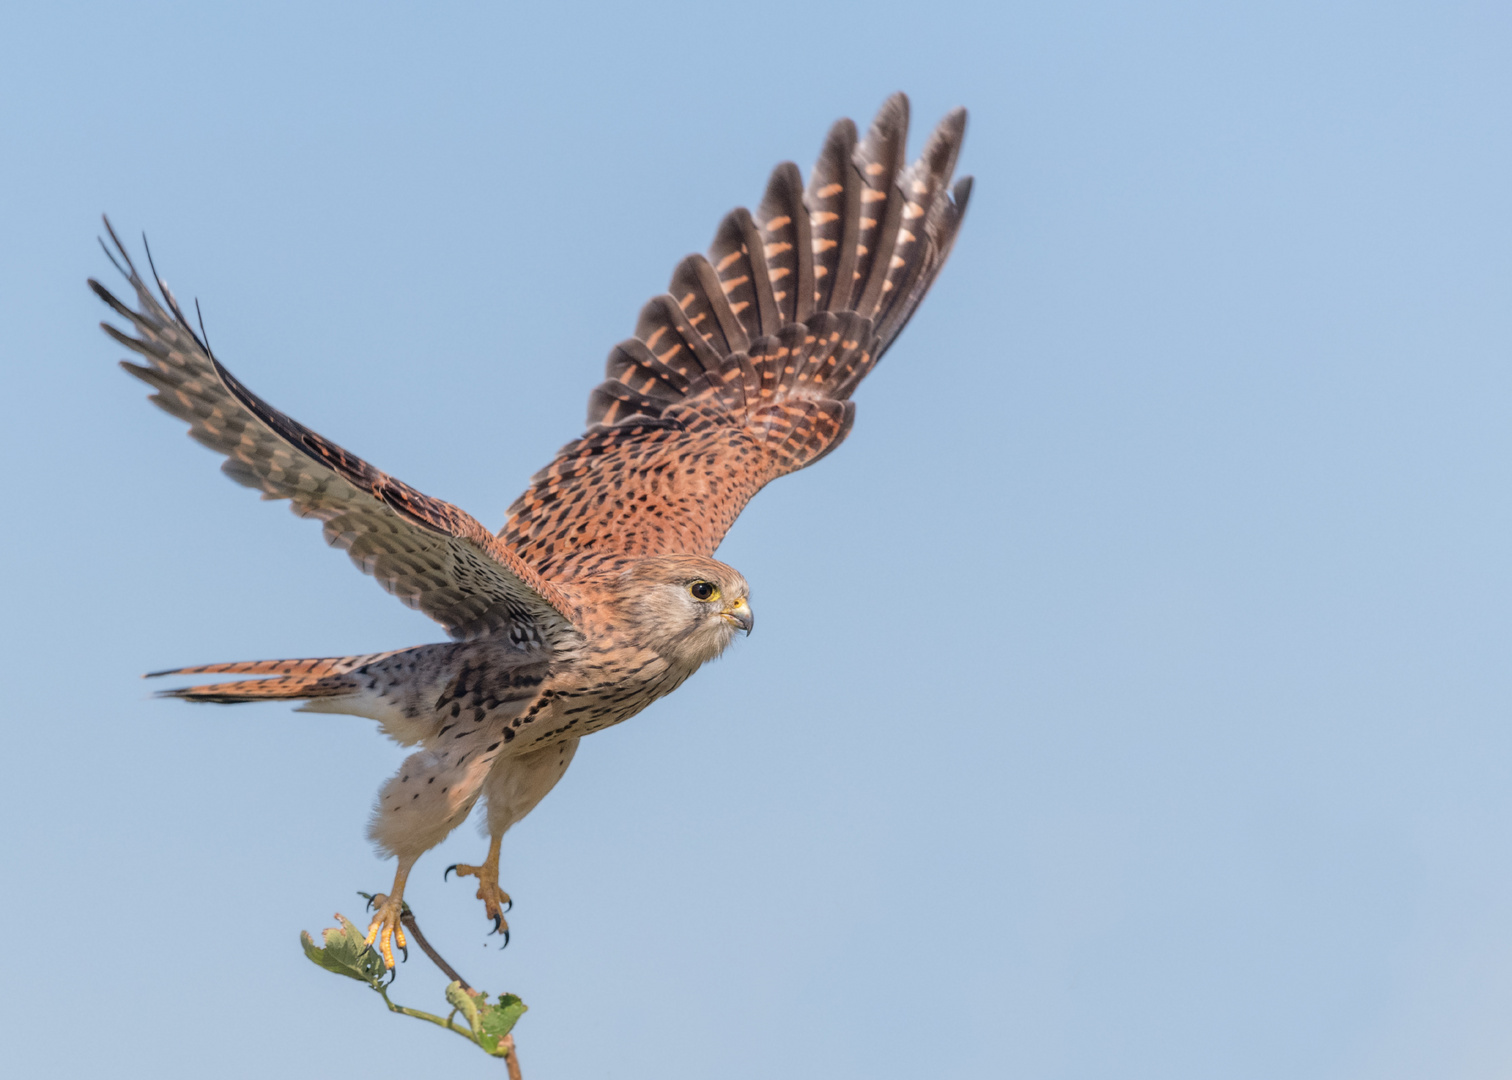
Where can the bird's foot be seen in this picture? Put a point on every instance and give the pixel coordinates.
(495, 900)
(385, 928)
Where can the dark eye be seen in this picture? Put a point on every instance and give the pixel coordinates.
(703, 590)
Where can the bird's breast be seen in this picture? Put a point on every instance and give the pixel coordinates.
(602, 691)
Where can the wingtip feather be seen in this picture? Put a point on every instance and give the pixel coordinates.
(962, 193)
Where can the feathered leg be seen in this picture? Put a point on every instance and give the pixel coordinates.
(513, 789)
(430, 795)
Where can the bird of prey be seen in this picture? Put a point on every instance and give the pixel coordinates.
(601, 593)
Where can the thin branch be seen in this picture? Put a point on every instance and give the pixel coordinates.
(507, 1043)
(513, 1060)
(420, 1015)
(346, 953)
(408, 919)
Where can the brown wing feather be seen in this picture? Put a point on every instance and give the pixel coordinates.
(788, 240)
(430, 554)
(743, 371)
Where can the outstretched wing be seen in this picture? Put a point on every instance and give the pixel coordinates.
(742, 372)
(427, 552)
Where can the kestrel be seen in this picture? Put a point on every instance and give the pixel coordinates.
(600, 594)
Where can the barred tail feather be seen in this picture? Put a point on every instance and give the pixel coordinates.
(290, 680)
(280, 689)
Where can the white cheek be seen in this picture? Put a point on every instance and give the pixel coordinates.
(720, 635)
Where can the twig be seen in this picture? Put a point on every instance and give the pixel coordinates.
(345, 952)
(419, 1015)
(408, 919)
(513, 1060)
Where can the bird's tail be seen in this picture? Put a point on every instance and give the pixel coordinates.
(290, 680)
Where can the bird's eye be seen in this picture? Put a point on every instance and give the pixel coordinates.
(704, 590)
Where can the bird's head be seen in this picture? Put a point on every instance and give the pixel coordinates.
(686, 607)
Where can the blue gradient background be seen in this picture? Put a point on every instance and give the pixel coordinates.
(1131, 693)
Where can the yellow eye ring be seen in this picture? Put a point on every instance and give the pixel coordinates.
(703, 590)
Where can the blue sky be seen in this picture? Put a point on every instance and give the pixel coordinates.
(1131, 694)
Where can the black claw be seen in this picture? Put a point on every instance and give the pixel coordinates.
(448, 870)
(508, 905)
(505, 945)
(498, 924)
(405, 950)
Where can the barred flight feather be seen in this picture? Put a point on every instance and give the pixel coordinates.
(428, 553)
(743, 370)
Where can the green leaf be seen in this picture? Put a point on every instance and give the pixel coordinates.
(499, 1020)
(345, 953)
(489, 1023)
(464, 1003)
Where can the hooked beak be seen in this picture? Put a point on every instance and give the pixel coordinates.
(740, 614)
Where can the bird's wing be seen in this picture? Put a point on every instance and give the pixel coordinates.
(742, 372)
(430, 554)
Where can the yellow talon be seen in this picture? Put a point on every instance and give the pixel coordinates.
(495, 900)
(385, 930)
